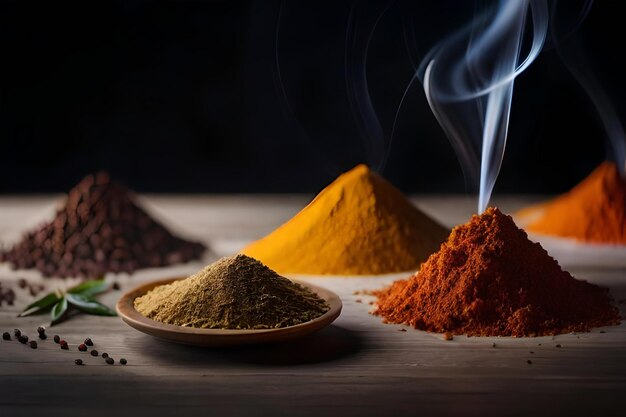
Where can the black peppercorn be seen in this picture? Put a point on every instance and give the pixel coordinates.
(94, 353)
(110, 361)
(105, 355)
(92, 253)
(82, 347)
(116, 286)
(23, 339)
(123, 361)
(33, 344)
(88, 342)
(558, 345)
(64, 345)
(43, 336)
(78, 361)
(56, 338)
(41, 330)
(6, 336)
(529, 361)
(17, 332)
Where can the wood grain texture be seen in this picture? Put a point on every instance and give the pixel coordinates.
(357, 366)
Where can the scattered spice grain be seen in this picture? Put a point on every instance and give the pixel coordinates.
(41, 331)
(17, 332)
(34, 290)
(88, 342)
(78, 361)
(56, 338)
(110, 361)
(6, 295)
(123, 361)
(33, 344)
(6, 336)
(82, 347)
(105, 355)
(23, 339)
(237, 292)
(64, 345)
(94, 353)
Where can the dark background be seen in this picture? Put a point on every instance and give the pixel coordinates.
(183, 96)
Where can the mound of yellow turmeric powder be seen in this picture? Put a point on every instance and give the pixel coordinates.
(593, 211)
(359, 225)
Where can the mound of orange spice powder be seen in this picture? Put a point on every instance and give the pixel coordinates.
(360, 224)
(489, 279)
(593, 211)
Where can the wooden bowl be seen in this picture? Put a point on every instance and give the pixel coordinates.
(222, 337)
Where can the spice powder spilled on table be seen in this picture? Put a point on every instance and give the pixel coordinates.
(359, 225)
(593, 211)
(99, 229)
(237, 292)
(488, 279)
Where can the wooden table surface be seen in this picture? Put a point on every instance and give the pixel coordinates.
(357, 366)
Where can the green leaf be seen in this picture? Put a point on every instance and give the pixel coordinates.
(89, 306)
(58, 311)
(90, 288)
(40, 305)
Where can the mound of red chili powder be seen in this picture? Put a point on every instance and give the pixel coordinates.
(489, 279)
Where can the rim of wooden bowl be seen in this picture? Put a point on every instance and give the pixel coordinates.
(222, 337)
